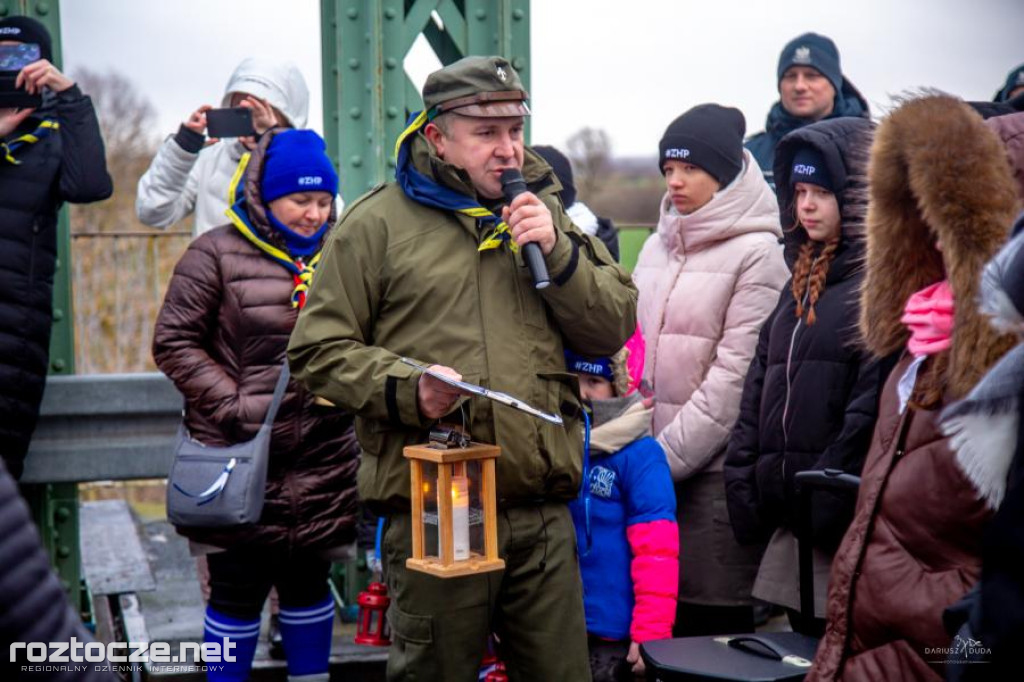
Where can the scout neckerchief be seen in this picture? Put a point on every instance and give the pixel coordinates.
(302, 271)
(8, 148)
(423, 190)
(236, 178)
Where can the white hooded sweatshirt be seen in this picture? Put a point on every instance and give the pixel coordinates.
(179, 182)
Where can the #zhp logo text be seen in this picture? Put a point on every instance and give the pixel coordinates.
(677, 153)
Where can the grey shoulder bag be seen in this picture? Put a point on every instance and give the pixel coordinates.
(221, 486)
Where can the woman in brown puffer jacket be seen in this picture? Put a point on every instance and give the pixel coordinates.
(221, 337)
(941, 202)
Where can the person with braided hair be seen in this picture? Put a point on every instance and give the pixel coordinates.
(810, 396)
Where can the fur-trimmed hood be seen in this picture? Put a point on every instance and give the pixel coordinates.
(936, 174)
(984, 427)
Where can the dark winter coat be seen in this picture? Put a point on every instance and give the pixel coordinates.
(810, 396)
(67, 164)
(221, 337)
(914, 545)
(988, 434)
(33, 606)
(848, 102)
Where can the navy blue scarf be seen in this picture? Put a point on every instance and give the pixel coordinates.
(424, 190)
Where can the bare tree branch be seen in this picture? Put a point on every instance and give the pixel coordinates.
(590, 150)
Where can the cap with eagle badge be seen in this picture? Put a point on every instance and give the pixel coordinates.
(476, 86)
(816, 51)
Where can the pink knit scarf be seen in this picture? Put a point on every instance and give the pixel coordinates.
(929, 316)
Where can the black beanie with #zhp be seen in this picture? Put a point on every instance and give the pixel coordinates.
(709, 136)
(27, 30)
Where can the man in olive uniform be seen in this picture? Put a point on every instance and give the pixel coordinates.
(429, 268)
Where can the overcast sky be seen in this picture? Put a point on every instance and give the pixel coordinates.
(627, 66)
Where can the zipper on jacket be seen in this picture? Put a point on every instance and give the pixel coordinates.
(789, 384)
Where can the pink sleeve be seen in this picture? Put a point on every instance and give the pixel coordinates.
(655, 573)
(635, 360)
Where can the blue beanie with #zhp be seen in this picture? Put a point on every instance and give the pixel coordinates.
(816, 51)
(809, 166)
(297, 161)
(600, 367)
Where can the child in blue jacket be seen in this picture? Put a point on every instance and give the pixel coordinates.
(625, 522)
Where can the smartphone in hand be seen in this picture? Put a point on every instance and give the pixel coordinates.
(230, 122)
(13, 58)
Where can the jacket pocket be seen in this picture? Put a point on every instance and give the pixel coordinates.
(562, 444)
(411, 656)
(562, 396)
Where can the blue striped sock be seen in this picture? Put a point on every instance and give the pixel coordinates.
(306, 633)
(242, 633)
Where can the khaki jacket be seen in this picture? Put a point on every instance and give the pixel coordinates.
(400, 279)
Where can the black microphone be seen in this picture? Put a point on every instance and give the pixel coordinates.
(512, 185)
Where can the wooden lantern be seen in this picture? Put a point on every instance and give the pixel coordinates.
(452, 488)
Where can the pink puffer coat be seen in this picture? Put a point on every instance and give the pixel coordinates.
(707, 283)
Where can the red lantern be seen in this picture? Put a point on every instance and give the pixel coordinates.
(498, 674)
(371, 628)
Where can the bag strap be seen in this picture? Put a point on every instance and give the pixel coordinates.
(275, 402)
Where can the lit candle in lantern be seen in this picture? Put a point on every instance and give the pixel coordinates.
(460, 517)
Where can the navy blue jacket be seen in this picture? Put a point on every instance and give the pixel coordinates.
(848, 103)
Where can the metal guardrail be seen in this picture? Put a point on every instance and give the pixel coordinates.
(104, 427)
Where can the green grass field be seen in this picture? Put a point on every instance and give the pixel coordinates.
(631, 239)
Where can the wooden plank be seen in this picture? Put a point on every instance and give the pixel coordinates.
(113, 560)
(488, 493)
(417, 508)
(444, 514)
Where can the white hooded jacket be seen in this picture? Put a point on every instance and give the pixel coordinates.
(707, 283)
(179, 182)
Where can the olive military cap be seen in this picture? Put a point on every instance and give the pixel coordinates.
(476, 86)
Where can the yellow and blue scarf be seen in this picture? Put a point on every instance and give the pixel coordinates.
(43, 130)
(423, 190)
(302, 271)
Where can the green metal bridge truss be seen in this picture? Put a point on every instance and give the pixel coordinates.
(367, 94)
